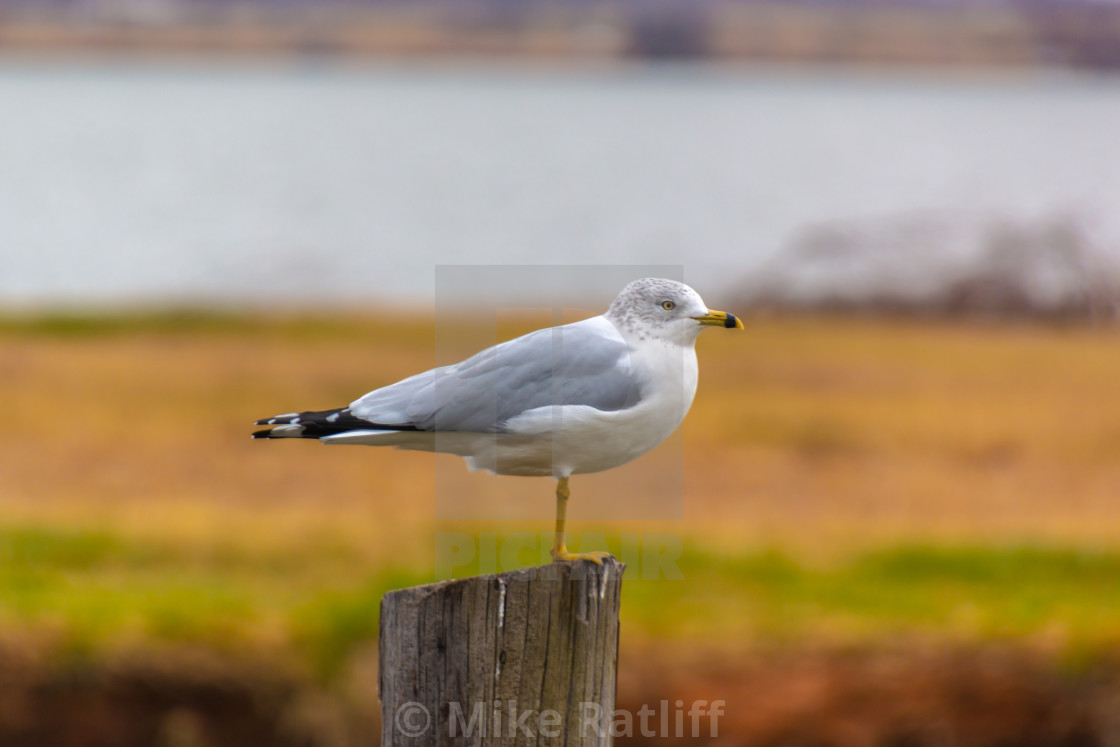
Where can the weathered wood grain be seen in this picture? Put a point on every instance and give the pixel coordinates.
(520, 658)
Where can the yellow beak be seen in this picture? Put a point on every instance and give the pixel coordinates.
(720, 319)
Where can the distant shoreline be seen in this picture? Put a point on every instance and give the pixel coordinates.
(967, 36)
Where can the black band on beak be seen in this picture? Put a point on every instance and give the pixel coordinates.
(731, 322)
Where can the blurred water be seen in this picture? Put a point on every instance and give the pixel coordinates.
(307, 183)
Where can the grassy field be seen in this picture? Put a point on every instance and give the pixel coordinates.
(96, 590)
(838, 482)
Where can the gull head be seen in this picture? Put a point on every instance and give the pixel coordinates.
(665, 310)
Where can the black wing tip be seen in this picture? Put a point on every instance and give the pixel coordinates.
(288, 418)
(319, 423)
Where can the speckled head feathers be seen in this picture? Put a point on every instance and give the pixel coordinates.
(656, 307)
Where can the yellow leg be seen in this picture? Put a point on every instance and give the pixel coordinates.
(559, 549)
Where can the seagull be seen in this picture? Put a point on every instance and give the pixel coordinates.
(562, 401)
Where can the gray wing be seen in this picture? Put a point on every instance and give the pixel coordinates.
(586, 363)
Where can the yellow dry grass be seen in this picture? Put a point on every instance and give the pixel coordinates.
(821, 435)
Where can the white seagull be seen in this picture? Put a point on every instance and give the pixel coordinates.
(562, 401)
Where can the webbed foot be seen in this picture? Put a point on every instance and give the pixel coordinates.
(561, 555)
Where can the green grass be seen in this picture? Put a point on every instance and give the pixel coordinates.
(66, 325)
(93, 587)
(196, 322)
(957, 591)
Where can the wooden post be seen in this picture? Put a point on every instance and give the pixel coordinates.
(518, 658)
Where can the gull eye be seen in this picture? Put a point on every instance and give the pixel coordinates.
(668, 305)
